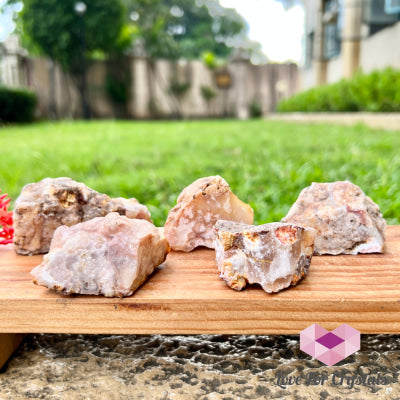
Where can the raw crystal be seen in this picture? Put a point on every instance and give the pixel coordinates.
(347, 221)
(44, 206)
(199, 206)
(274, 255)
(111, 255)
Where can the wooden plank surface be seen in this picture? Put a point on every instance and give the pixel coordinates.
(185, 295)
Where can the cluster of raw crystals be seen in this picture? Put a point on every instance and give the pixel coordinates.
(199, 206)
(106, 246)
(347, 221)
(110, 255)
(44, 206)
(274, 255)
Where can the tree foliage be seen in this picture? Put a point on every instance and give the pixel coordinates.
(185, 28)
(164, 28)
(56, 30)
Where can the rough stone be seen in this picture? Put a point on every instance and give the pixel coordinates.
(275, 255)
(111, 255)
(44, 206)
(199, 206)
(347, 221)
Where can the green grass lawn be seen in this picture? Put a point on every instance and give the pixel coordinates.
(267, 163)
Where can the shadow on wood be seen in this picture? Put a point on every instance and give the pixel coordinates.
(9, 342)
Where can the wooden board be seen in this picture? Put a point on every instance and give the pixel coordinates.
(186, 296)
(9, 342)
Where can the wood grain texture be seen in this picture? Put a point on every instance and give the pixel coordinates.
(186, 296)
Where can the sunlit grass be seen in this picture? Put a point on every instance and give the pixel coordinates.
(266, 163)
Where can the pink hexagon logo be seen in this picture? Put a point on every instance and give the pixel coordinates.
(330, 347)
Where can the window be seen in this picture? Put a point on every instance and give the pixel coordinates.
(331, 41)
(379, 14)
(392, 6)
(309, 50)
(331, 28)
(330, 6)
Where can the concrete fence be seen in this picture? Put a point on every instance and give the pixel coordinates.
(149, 90)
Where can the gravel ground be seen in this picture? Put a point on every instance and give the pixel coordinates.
(194, 367)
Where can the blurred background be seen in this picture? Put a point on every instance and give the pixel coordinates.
(234, 86)
(151, 59)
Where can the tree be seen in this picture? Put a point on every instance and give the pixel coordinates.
(67, 34)
(208, 27)
(185, 28)
(174, 29)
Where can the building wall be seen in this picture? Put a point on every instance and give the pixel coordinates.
(334, 69)
(307, 78)
(381, 50)
(358, 49)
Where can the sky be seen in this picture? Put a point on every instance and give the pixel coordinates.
(280, 32)
(6, 23)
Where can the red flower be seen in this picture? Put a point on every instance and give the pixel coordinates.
(6, 220)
